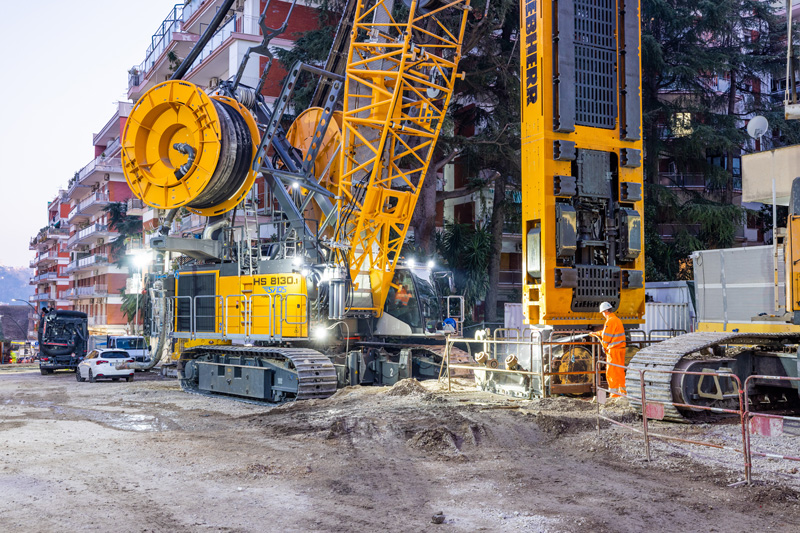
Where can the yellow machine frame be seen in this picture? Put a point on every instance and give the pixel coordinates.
(543, 301)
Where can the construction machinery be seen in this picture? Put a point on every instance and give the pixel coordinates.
(63, 338)
(582, 203)
(582, 211)
(345, 177)
(731, 284)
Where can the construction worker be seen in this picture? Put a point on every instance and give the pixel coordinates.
(402, 296)
(613, 339)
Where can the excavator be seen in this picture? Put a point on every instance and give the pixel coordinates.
(248, 302)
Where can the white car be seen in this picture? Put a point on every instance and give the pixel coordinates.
(101, 364)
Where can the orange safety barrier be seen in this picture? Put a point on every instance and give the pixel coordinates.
(655, 409)
(765, 424)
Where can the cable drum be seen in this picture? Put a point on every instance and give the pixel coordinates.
(236, 153)
(183, 148)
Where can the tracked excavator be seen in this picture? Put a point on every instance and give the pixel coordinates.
(244, 302)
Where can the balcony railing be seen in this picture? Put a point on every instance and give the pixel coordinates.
(691, 180)
(158, 44)
(97, 198)
(510, 277)
(99, 320)
(46, 258)
(113, 147)
(100, 164)
(56, 233)
(134, 204)
(41, 296)
(47, 276)
(96, 259)
(88, 232)
(190, 8)
(234, 24)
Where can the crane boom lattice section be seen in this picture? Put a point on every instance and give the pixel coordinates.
(400, 78)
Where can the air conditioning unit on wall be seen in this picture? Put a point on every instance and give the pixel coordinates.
(213, 82)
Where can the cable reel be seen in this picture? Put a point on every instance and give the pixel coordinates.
(183, 148)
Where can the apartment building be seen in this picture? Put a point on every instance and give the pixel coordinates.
(50, 262)
(220, 57)
(95, 281)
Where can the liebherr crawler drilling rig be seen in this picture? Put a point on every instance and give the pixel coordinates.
(346, 176)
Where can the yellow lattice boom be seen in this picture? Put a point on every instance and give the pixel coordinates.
(400, 77)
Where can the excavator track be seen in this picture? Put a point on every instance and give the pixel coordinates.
(668, 354)
(316, 375)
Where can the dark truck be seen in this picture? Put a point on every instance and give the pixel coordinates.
(63, 338)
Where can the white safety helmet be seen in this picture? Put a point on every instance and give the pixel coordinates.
(605, 306)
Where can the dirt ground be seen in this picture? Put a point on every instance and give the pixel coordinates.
(145, 456)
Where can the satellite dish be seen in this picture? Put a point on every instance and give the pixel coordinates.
(757, 126)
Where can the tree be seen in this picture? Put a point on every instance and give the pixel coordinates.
(702, 64)
(129, 227)
(466, 250)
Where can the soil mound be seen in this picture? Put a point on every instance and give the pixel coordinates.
(407, 387)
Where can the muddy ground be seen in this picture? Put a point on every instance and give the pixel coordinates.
(145, 456)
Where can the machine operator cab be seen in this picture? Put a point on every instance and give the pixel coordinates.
(417, 303)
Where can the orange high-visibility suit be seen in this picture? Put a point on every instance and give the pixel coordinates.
(402, 296)
(614, 345)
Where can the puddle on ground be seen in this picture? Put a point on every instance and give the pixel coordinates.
(121, 421)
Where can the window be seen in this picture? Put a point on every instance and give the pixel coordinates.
(115, 355)
(129, 344)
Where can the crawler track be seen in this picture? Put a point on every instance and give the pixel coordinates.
(316, 375)
(667, 355)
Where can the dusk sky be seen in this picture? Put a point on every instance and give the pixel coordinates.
(65, 66)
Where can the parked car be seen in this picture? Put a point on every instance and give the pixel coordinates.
(101, 364)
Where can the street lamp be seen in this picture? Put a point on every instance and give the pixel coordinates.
(25, 302)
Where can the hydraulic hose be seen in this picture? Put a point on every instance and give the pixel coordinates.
(156, 294)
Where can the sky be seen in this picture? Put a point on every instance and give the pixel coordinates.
(64, 66)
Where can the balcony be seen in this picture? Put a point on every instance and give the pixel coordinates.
(112, 148)
(194, 7)
(90, 174)
(212, 59)
(188, 224)
(41, 297)
(93, 260)
(53, 234)
(93, 203)
(691, 180)
(90, 233)
(42, 278)
(48, 258)
(169, 37)
(135, 207)
(88, 263)
(99, 320)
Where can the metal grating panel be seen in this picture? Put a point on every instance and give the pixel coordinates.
(595, 63)
(596, 284)
(193, 285)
